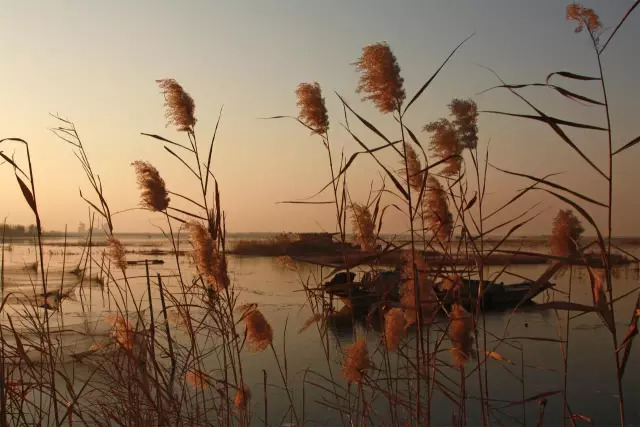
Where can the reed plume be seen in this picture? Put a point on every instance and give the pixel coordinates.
(363, 227)
(428, 297)
(585, 17)
(566, 234)
(313, 111)
(242, 397)
(445, 144)
(116, 253)
(460, 334)
(197, 379)
(317, 317)
(380, 79)
(394, 327)
(416, 174)
(122, 331)
(465, 121)
(211, 263)
(179, 105)
(154, 192)
(259, 332)
(437, 217)
(356, 361)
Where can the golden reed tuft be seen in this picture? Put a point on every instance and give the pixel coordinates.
(414, 166)
(445, 144)
(394, 328)
(116, 253)
(380, 79)
(363, 227)
(460, 333)
(566, 234)
(259, 332)
(179, 105)
(210, 262)
(465, 114)
(316, 318)
(356, 361)
(437, 217)
(428, 296)
(122, 331)
(242, 397)
(197, 379)
(313, 111)
(585, 17)
(154, 191)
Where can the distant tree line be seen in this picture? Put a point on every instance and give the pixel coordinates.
(10, 230)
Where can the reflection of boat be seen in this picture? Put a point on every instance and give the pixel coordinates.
(374, 290)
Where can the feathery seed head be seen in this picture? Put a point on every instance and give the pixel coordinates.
(460, 333)
(259, 332)
(566, 234)
(585, 17)
(356, 361)
(465, 114)
(179, 105)
(154, 192)
(117, 253)
(122, 331)
(242, 397)
(445, 144)
(197, 379)
(312, 109)
(363, 227)
(437, 216)
(428, 297)
(394, 327)
(416, 174)
(211, 263)
(380, 79)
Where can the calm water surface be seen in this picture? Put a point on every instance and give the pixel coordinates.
(277, 290)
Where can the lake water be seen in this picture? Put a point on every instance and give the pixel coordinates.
(278, 292)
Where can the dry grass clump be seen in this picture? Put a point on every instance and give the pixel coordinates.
(428, 297)
(566, 234)
(179, 105)
(211, 264)
(242, 397)
(356, 361)
(197, 379)
(465, 121)
(154, 192)
(313, 111)
(394, 328)
(585, 17)
(445, 144)
(414, 166)
(460, 333)
(117, 253)
(437, 217)
(363, 227)
(259, 332)
(380, 79)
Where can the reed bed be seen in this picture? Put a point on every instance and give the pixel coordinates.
(179, 352)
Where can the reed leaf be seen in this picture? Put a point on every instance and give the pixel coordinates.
(627, 145)
(369, 125)
(570, 75)
(166, 140)
(27, 195)
(424, 86)
(624, 18)
(552, 184)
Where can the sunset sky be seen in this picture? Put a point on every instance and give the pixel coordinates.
(96, 64)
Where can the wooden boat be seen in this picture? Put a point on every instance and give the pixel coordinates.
(373, 292)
